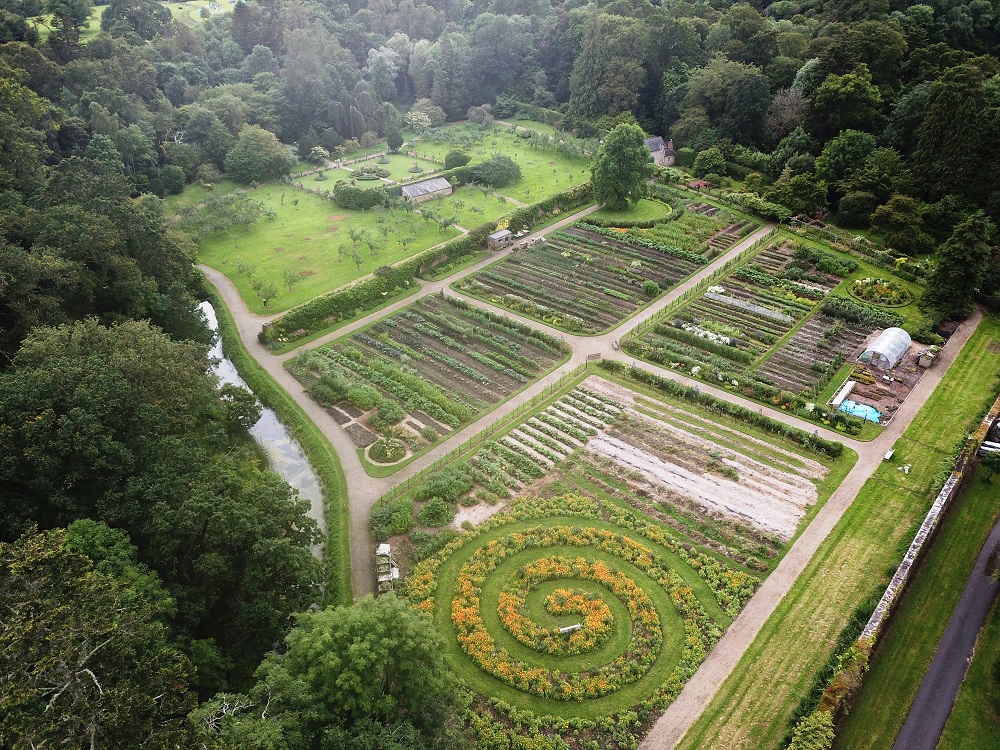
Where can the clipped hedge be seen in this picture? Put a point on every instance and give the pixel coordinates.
(724, 408)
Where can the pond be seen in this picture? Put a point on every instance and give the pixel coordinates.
(284, 454)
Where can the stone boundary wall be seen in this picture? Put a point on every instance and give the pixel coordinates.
(904, 572)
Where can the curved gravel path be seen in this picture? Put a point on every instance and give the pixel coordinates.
(364, 491)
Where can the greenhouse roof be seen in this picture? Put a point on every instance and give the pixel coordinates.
(887, 349)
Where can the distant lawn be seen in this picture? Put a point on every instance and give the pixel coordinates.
(907, 646)
(538, 127)
(471, 206)
(543, 170)
(187, 12)
(643, 210)
(305, 238)
(754, 704)
(194, 194)
(399, 168)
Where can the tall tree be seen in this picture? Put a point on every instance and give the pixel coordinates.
(609, 73)
(621, 167)
(347, 670)
(257, 156)
(84, 656)
(846, 102)
(962, 265)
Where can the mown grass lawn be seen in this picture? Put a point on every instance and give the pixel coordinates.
(907, 646)
(642, 210)
(305, 238)
(543, 170)
(471, 206)
(195, 193)
(752, 707)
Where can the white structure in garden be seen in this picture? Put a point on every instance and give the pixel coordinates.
(887, 349)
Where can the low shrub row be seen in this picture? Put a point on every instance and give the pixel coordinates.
(857, 311)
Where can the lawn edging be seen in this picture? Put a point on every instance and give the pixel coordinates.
(322, 457)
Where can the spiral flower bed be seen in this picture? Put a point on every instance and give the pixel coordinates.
(509, 594)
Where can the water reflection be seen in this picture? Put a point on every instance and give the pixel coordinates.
(284, 454)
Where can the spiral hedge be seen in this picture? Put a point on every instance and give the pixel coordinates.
(641, 611)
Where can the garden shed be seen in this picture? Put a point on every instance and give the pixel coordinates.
(500, 239)
(887, 349)
(419, 192)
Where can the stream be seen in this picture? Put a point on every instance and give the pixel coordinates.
(284, 454)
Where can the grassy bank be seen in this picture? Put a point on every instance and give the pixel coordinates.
(753, 706)
(908, 644)
(337, 552)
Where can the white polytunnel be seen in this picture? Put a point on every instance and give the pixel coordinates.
(887, 349)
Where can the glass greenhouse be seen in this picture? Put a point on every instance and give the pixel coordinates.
(887, 349)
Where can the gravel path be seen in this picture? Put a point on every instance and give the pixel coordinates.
(364, 491)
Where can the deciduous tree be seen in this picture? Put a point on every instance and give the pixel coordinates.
(621, 167)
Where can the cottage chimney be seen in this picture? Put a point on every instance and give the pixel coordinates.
(670, 143)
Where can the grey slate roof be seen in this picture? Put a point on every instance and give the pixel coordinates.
(655, 144)
(432, 185)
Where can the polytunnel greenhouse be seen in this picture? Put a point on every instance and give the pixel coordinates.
(887, 349)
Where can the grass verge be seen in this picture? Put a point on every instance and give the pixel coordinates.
(324, 460)
(753, 706)
(974, 723)
(907, 647)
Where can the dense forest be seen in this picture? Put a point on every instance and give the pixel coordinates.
(151, 564)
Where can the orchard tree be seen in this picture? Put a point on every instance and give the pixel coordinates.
(621, 167)
(963, 263)
(497, 171)
(257, 156)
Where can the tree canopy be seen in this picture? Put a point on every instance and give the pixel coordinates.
(621, 167)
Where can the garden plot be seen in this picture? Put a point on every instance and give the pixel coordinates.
(814, 353)
(697, 230)
(625, 524)
(738, 494)
(729, 334)
(427, 369)
(583, 279)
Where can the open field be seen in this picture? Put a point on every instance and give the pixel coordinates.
(306, 237)
(544, 170)
(415, 376)
(581, 281)
(907, 646)
(625, 500)
(753, 706)
(187, 12)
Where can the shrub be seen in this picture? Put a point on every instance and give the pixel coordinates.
(497, 171)
(815, 732)
(389, 413)
(364, 397)
(650, 288)
(709, 161)
(447, 483)
(359, 199)
(392, 519)
(456, 158)
(436, 512)
(685, 157)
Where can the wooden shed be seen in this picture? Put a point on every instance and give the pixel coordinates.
(499, 240)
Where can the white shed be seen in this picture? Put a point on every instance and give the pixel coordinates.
(887, 349)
